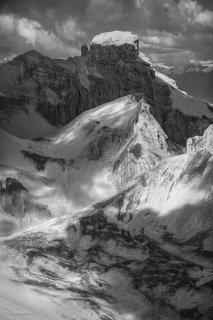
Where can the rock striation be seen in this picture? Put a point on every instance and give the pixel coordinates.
(147, 251)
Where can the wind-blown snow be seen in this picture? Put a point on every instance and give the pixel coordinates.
(115, 114)
(85, 154)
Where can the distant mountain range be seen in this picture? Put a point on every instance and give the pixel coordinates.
(196, 79)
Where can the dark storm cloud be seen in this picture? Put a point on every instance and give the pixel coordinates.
(57, 28)
(207, 4)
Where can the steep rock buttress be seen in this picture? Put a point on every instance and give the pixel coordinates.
(56, 90)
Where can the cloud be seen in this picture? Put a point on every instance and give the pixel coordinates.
(59, 28)
(105, 11)
(176, 48)
(188, 15)
(173, 15)
(177, 59)
(70, 29)
(31, 31)
(139, 3)
(6, 23)
(156, 39)
(7, 58)
(24, 34)
(166, 48)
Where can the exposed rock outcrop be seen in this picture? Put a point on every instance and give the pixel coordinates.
(40, 161)
(204, 142)
(17, 201)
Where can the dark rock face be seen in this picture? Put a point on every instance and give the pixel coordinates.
(41, 161)
(136, 150)
(111, 54)
(8, 104)
(178, 126)
(116, 72)
(84, 50)
(105, 137)
(16, 200)
(63, 89)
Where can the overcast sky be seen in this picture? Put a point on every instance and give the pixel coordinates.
(171, 31)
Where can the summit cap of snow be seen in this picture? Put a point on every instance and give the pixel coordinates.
(116, 38)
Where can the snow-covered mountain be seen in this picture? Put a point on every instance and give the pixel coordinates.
(145, 252)
(86, 161)
(105, 189)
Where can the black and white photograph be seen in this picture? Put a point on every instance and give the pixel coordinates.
(106, 160)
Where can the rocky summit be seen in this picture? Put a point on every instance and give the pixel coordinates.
(106, 198)
(39, 94)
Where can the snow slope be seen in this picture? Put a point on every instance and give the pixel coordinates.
(28, 124)
(143, 252)
(88, 160)
(10, 147)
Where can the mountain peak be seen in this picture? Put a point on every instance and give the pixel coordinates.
(33, 53)
(31, 57)
(30, 54)
(115, 45)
